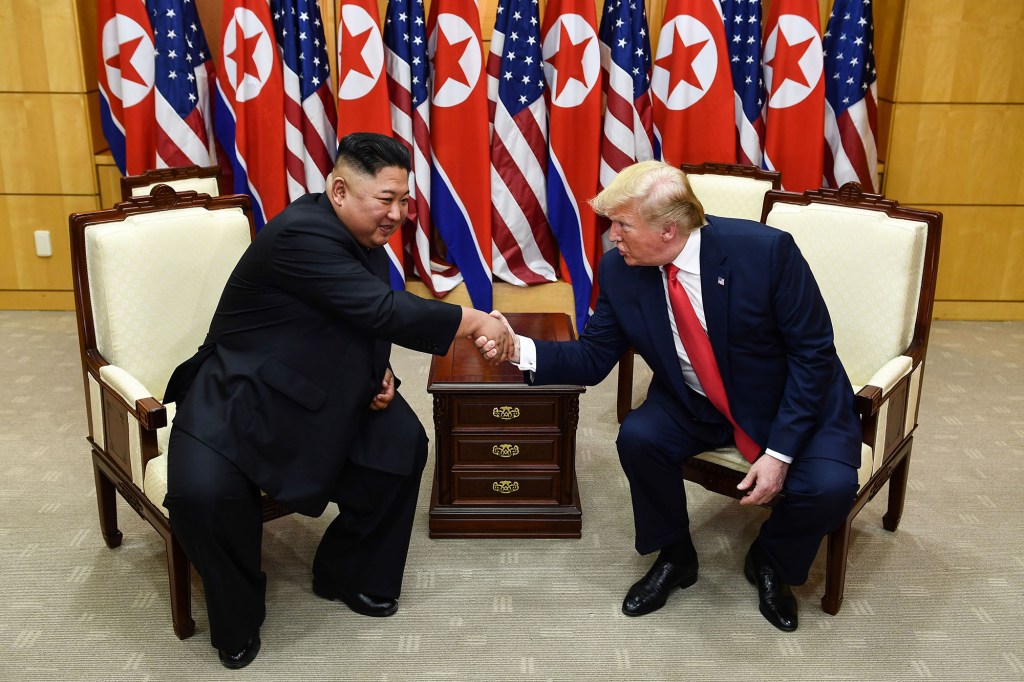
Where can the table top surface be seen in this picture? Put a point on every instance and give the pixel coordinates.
(464, 367)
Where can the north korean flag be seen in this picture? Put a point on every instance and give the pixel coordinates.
(794, 113)
(572, 67)
(692, 85)
(460, 205)
(126, 78)
(249, 116)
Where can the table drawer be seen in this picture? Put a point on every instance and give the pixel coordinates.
(505, 488)
(505, 411)
(505, 449)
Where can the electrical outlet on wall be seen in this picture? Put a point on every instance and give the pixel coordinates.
(44, 248)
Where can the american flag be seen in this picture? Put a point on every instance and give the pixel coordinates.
(184, 71)
(524, 248)
(743, 34)
(408, 70)
(628, 133)
(851, 117)
(309, 109)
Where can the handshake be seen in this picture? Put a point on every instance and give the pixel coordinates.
(492, 335)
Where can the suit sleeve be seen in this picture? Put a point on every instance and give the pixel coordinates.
(588, 360)
(325, 272)
(806, 330)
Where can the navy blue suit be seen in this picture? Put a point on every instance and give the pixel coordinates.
(772, 338)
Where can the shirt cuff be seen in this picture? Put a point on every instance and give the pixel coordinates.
(527, 354)
(778, 455)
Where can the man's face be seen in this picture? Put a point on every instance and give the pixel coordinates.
(636, 240)
(372, 208)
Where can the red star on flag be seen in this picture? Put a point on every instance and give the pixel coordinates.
(123, 61)
(679, 63)
(445, 69)
(243, 54)
(568, 61)
(352, 45)
(788, 57)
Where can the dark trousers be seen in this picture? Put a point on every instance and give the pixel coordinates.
(653, 444)
(216, 515)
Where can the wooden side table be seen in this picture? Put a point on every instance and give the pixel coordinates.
(506, 451)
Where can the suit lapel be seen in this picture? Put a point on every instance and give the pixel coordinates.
(715, 279)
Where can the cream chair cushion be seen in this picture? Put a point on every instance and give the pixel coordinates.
(202, 185)
(869, 268)
(730, 195)
(732, 459)
(148, 341)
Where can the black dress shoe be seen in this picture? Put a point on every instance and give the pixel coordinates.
(242, 658)
(777, 603)
(651, 592)
(365, 604)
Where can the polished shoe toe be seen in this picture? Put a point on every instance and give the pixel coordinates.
(776, 601)
(364, 604)
(241, 658)
(651, 592)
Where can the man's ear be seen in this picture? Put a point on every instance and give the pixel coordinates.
(338, 190)
(669, 232)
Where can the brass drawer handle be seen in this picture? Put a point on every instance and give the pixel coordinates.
(505, 412)
(505, 450)
(505, 487)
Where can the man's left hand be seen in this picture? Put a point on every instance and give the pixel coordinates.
(764, 480)
(387, 392)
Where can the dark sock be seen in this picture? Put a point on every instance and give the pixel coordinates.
(680, 552)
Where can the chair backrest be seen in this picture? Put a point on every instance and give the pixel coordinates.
(731, 190)
(202, 179)
(149, 273)
(876, 263)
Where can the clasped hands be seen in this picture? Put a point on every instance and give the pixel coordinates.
(495, 339)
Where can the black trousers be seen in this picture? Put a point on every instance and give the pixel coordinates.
(653, 444)
(216, 515)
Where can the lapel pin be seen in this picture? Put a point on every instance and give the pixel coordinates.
(721, 281)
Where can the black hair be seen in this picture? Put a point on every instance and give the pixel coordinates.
(369, 153)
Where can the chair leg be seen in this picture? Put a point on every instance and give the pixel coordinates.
(835, 567)
(106, 502)
(624, 396)
(179, 574)
(897, 491)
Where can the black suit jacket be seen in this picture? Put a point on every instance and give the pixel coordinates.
(296, 352)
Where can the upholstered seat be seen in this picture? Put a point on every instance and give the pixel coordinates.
(148, 275)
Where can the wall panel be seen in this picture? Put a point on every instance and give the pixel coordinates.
(39, 47)
(20, 267)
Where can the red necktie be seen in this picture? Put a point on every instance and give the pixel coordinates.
(702, 358)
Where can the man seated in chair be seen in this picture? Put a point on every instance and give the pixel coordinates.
(292, 394)
(730, 320)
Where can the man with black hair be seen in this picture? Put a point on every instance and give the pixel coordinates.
(292, 394)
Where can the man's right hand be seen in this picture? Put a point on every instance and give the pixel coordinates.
(490, 335)
(513, 356)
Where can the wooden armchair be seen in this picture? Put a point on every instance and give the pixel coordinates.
(876, 264)
(148, 274)
(202, 179)
(727, 190)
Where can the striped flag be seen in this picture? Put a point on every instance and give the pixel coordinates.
(184, 71)
(408, 72)
(363, 104)
(126, 83)
(851, 117)
(572, 68)
(628, 130)
(460, 211)
(524, 250)
(794, 113)
(249, 114)
(694, 103)
(309, 112)
(743, 35)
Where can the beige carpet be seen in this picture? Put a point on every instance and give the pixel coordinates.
(940, 599)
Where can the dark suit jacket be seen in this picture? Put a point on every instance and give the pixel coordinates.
(296, 352)
(769, 329)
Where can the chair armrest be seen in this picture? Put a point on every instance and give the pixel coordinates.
(148, 410)
(870, 397)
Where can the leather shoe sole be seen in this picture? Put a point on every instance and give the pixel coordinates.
(651, 592)
(775, 599)
(360, 603)
(242, 658)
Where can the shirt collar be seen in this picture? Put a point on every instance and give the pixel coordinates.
(688, 259)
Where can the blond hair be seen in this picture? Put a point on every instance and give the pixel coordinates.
(661, 195)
